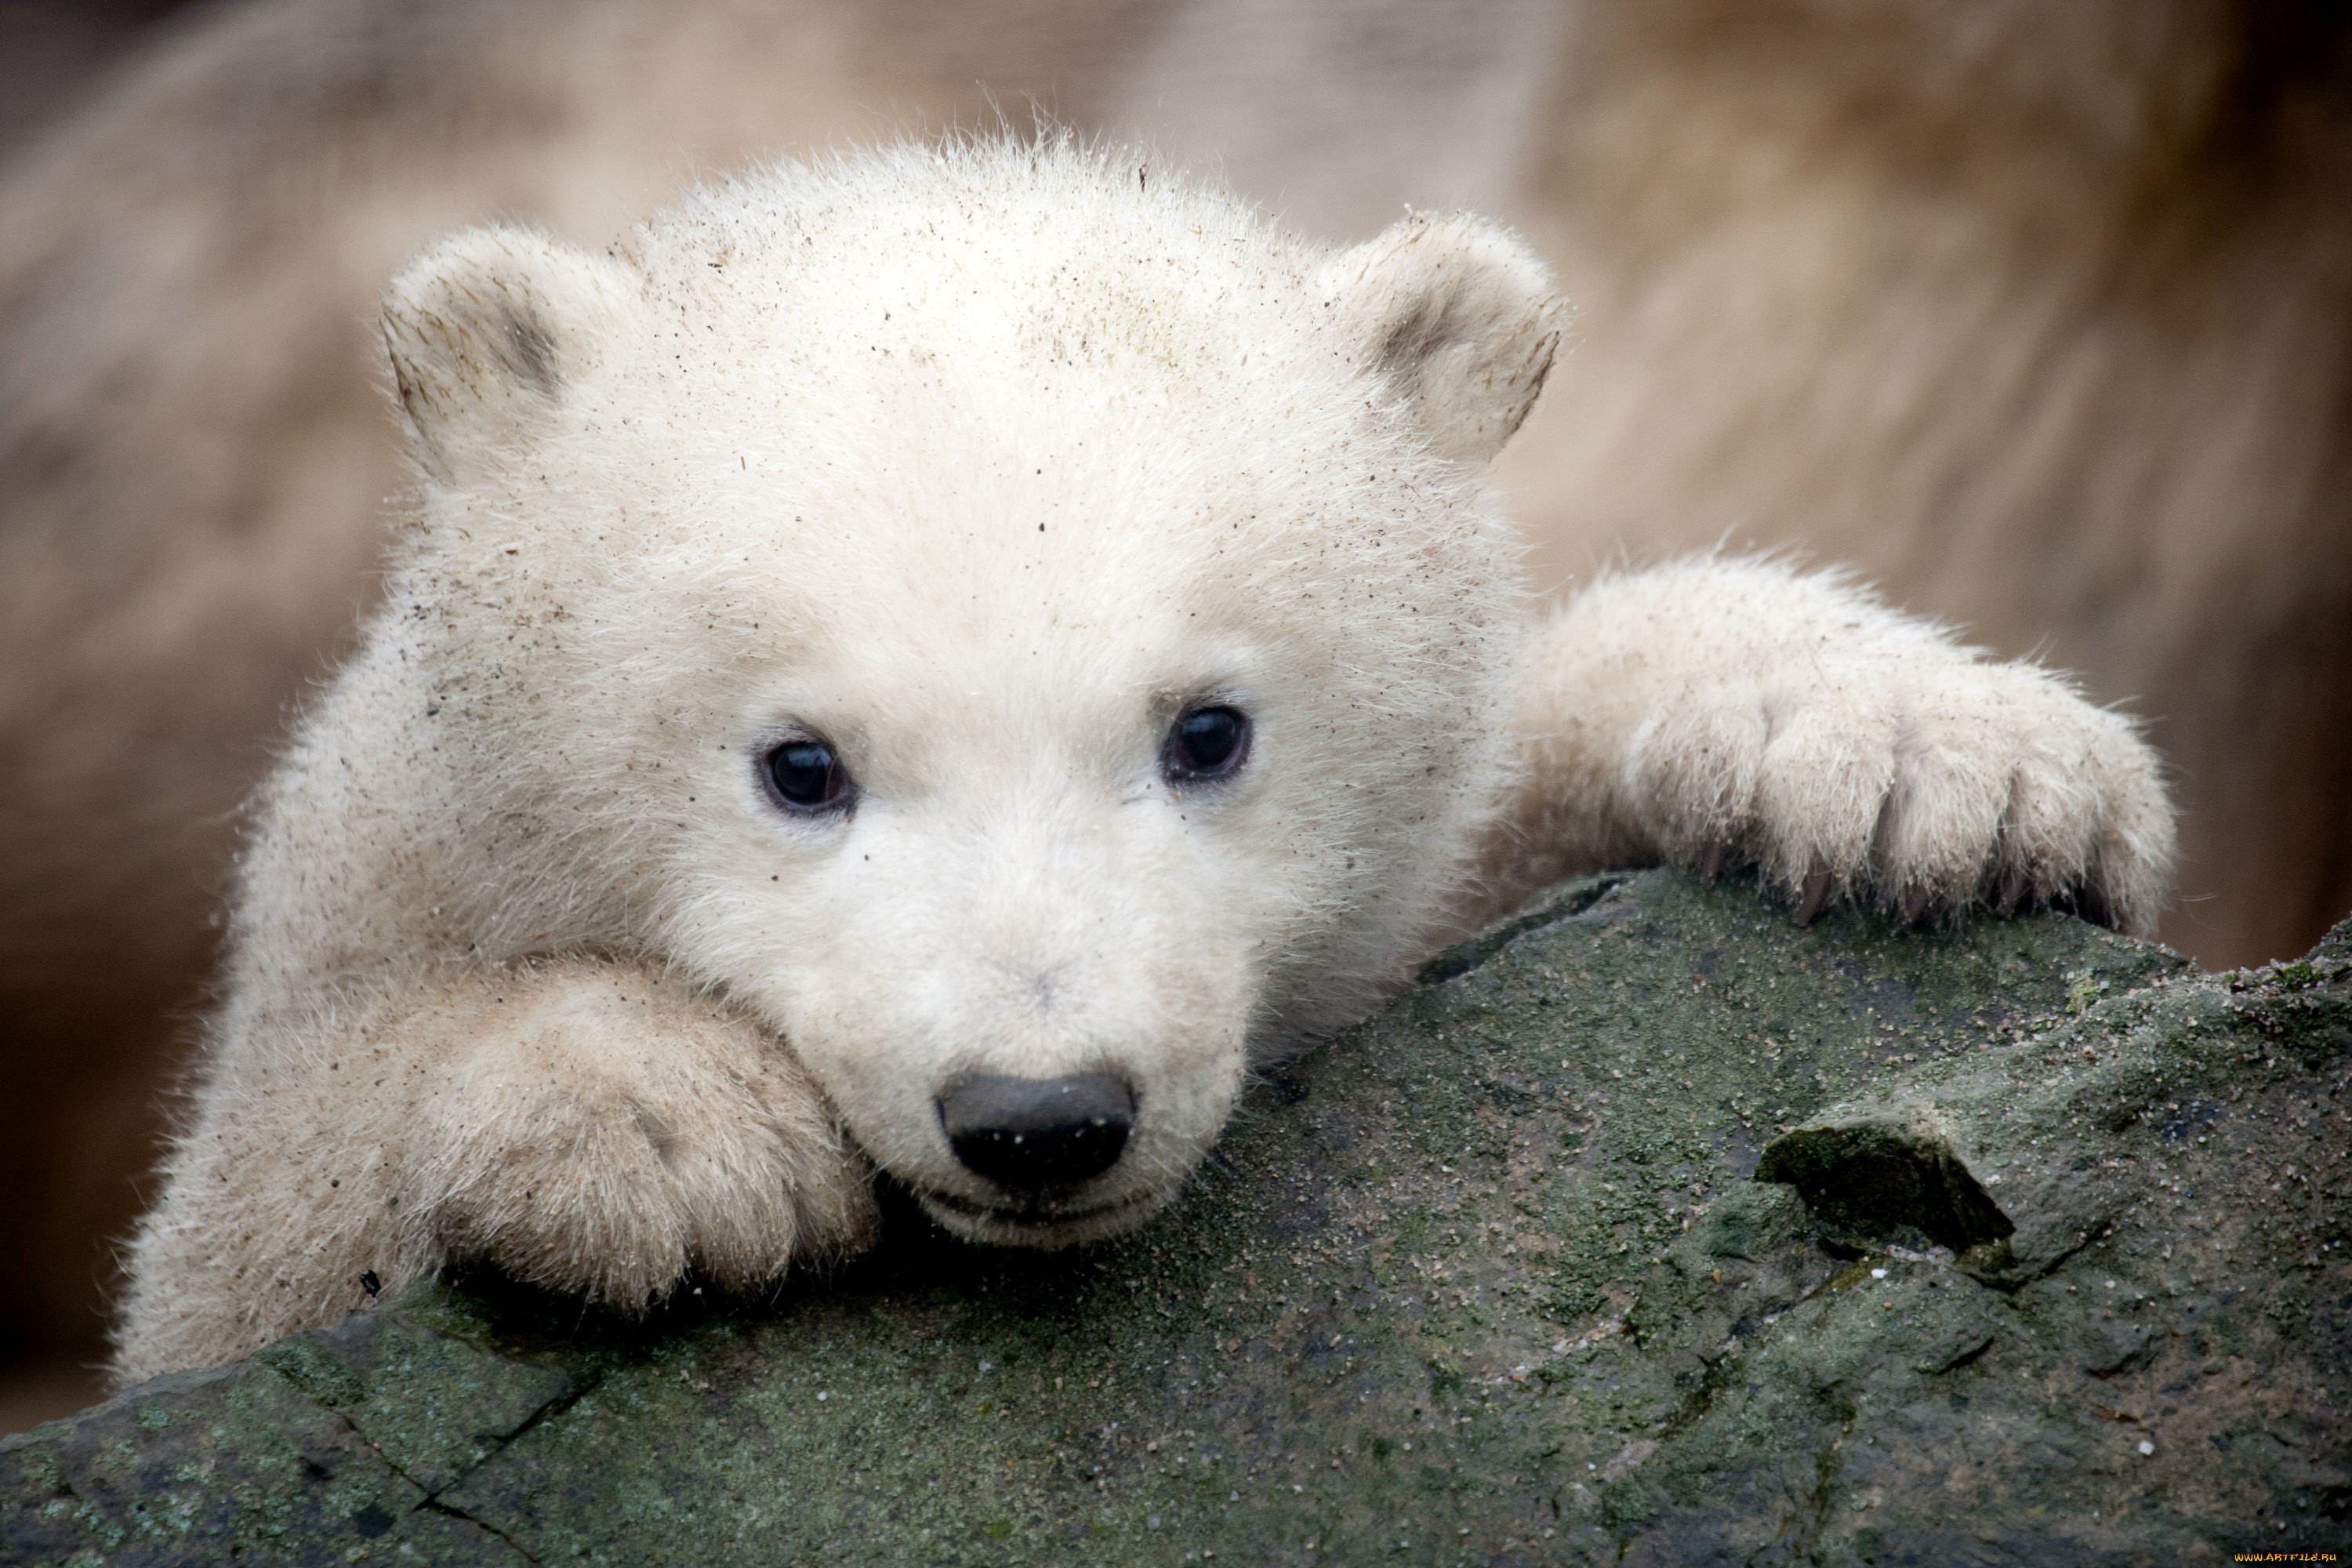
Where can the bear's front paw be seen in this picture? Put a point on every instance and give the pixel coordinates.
(1921, 786)
(612, 1129)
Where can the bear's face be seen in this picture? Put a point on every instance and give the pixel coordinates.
(1031, 639)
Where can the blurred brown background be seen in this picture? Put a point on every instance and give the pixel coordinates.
(2039, 314)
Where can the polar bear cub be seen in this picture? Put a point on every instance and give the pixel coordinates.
(934, 661)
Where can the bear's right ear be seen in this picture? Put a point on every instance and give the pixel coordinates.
(484, 328)
(1460, 317)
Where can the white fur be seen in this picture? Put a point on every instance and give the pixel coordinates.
(1733, 711)
(981, 463)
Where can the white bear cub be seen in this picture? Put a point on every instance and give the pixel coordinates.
(932, 662)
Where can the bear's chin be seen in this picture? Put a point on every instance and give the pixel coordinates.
(1046, 1228)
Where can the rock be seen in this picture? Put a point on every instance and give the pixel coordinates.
(1648, 1229)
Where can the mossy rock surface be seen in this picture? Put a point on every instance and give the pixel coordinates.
(2057, 1268)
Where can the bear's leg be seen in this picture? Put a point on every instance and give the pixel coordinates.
(589, 1126)
(1721, 711)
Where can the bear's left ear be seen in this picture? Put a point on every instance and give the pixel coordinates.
(486, 331)
(1459, 316)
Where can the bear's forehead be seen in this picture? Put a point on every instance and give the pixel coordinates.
(1020, 444)
(1080, 571)
(1017, 420)
(988, 561)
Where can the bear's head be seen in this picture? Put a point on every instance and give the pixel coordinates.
(1027, 629)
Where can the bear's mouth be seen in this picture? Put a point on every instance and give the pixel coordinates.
(1047, 1224)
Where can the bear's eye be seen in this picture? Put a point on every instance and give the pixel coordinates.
(807, 775)
(1206, 743)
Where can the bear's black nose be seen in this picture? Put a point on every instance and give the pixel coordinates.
(1030, 1134)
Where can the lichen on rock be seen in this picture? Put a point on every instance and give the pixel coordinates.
(1646, 1229)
